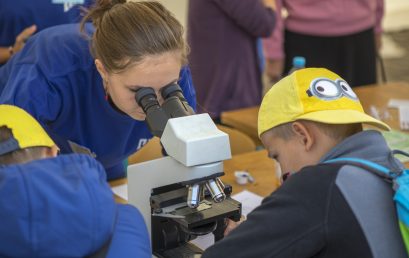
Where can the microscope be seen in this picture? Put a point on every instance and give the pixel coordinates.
(181, 195)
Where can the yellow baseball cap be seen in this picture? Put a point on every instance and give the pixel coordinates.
(314, 94)
(26, 130)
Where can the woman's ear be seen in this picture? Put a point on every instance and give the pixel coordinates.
(303, 134)
(101, 69)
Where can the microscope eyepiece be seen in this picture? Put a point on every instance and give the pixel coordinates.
(175, 104)
(146, 98)
(172, 90)
(156, 118)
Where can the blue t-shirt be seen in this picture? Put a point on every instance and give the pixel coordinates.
(16, 15)
(55, 79)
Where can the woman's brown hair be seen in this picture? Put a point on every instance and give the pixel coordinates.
(126, 32)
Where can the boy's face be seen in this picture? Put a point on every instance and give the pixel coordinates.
(291, 154)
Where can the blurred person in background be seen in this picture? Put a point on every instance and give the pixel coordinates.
(223, 57)
(343, 36)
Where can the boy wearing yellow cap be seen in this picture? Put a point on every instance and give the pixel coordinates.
(322, 209)
(58, 206)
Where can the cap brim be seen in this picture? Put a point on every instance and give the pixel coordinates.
(343, 117)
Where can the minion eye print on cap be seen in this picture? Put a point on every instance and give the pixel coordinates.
(327, 89)
(347, 90)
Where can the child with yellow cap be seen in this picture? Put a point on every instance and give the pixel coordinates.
(59, 206)
(322, 209)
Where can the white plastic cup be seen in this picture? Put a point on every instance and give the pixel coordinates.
(242, 177)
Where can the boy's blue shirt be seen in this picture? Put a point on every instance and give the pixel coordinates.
(55, 79)
(63, 207)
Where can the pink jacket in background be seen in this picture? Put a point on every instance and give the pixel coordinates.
(323, 18)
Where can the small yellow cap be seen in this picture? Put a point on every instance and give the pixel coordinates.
(26, 130)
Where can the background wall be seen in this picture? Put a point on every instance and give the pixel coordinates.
(395, 49)
(178, 7)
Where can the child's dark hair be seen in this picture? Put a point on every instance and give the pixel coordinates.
(18, 156)
(126, 32)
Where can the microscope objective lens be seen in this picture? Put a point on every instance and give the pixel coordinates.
(193, 198)
(215, 190)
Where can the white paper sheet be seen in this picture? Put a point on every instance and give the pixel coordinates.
(121, 191)
(249, 201)
(404, 117)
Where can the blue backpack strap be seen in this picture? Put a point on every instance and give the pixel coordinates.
(375, 168)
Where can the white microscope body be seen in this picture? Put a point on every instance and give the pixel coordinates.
(171, 191)
(196, 149)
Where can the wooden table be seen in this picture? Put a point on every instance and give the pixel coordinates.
(378, 95)
(257, 163)
(260, 166)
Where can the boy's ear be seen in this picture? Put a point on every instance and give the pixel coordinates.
(303, 134)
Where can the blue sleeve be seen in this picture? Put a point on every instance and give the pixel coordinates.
(186, 84)
(115, 172)
(4, 75)
(31, 90)
(130, 238)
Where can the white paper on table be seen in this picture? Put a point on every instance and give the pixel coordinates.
(203, 242)
(249, 201)
(404, 117)
(397, 103)
(121, 191)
